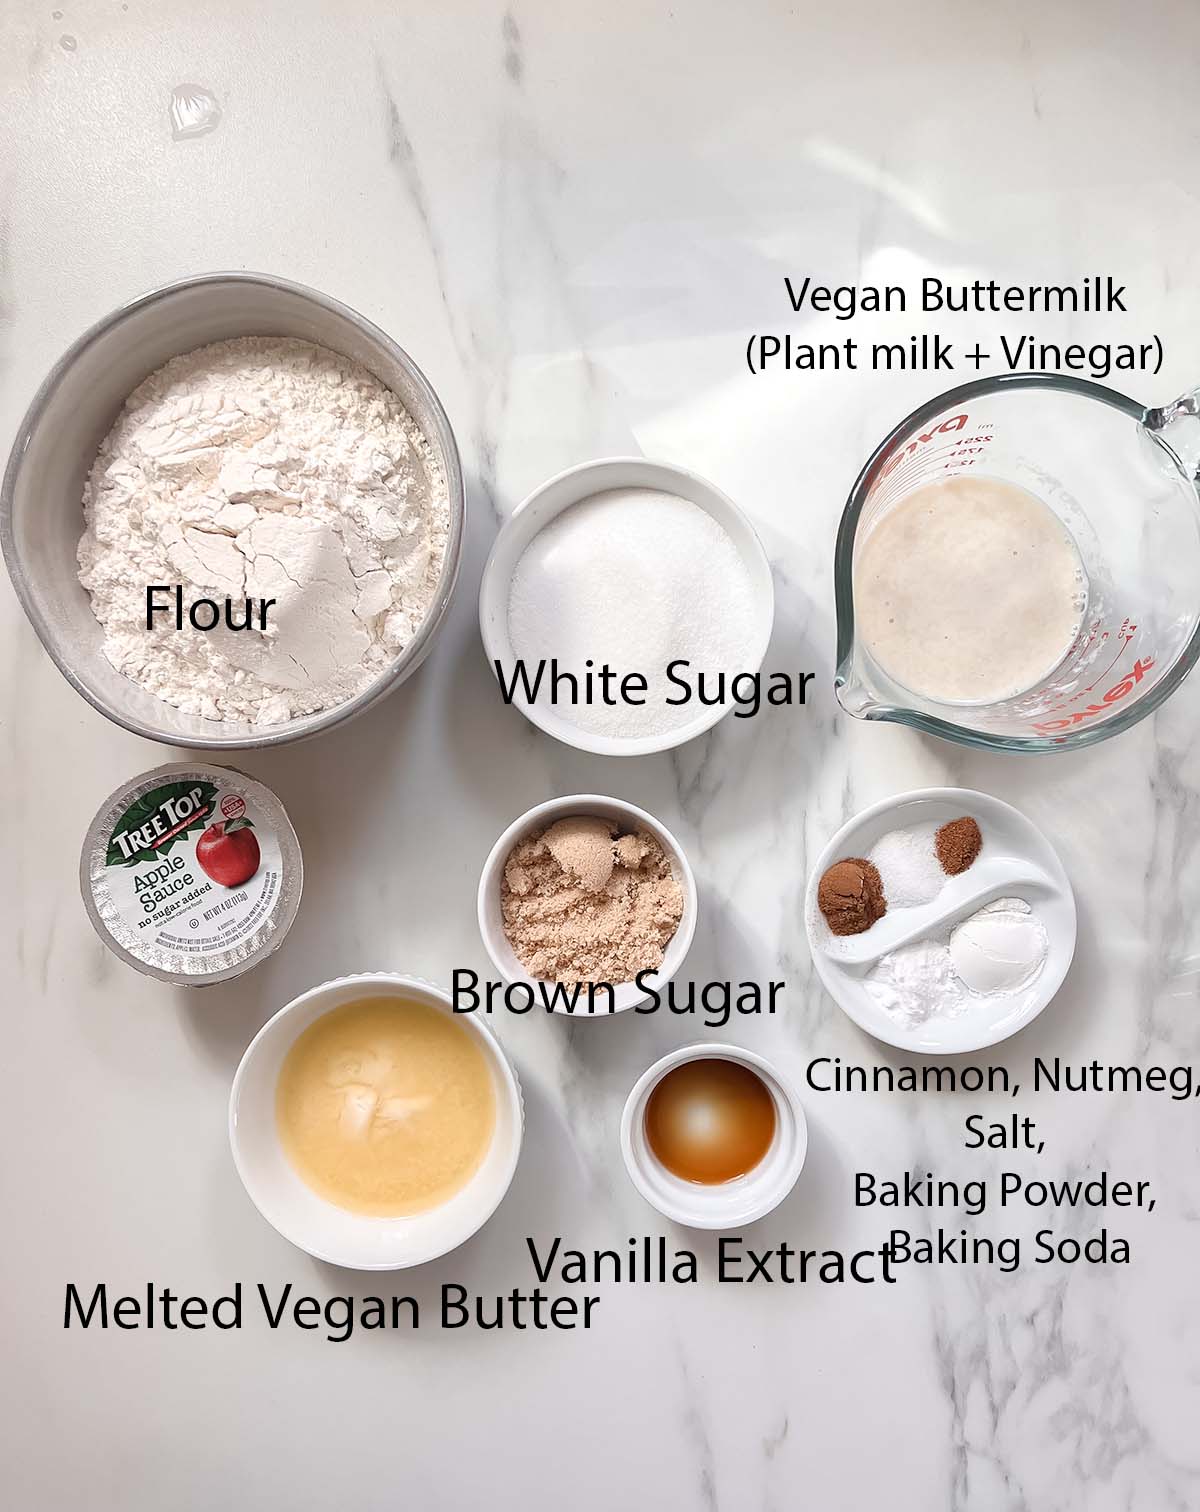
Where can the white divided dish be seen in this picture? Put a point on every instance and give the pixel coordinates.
(1016, 861)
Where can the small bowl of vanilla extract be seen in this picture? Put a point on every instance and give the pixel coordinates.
(713, 1136)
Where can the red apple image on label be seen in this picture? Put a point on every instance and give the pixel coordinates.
(228, 853)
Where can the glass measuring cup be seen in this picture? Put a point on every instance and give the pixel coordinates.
(1122, 479)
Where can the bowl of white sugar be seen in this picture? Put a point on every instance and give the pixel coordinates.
(234, 513)
(627, 606)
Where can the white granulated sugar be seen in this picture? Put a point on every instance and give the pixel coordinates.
(908, 867)
(276, 469)
(636, 579)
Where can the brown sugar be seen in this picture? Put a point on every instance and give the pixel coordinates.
(850, 895)
(958, 843)
(583, 903)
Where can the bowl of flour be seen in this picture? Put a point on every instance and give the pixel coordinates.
(234, 513)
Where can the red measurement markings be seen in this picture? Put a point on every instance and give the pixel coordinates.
(910, 465)
(1114, 695)
(1124, 635)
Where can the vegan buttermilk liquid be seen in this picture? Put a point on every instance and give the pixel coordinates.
(970, 590)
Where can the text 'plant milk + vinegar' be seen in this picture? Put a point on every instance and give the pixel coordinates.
(970, 590)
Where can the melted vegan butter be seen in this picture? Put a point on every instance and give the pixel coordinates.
(385, 1106)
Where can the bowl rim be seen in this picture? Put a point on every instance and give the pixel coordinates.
(306, 725)
(776, 1082)
(561, 808)
(395, 982)
(588, 478)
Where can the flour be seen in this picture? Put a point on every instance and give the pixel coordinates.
(269, 468)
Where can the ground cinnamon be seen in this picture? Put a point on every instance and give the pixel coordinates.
(850, 895)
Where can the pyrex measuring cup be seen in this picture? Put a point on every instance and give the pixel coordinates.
(1122, 479)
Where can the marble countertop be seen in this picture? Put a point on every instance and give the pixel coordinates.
(573, 221)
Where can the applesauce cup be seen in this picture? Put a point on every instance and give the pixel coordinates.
(192, 873)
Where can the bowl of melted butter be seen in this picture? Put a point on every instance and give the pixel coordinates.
(373, 1127)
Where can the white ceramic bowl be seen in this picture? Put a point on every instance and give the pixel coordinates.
(41, 509)
(1011, 841)
(732, 1203)
(332, 1233)
(549, 501)
(629, 817)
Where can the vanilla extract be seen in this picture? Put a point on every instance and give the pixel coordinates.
(650, 1260)
(710, 1120)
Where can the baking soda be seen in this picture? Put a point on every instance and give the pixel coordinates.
(1000, 949)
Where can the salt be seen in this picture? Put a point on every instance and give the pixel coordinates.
(908, 866)
(634, 578)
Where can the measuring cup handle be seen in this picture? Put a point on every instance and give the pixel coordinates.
(1177, 426)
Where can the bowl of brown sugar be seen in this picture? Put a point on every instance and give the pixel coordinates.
(588, 904)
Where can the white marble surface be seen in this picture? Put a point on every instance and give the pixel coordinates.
(572, 221)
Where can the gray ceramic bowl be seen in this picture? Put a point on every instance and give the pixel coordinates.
(41, 513)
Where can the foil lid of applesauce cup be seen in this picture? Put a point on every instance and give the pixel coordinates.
(192, 874)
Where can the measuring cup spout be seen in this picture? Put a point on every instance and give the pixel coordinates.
(1177, 426)
(854, 697)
